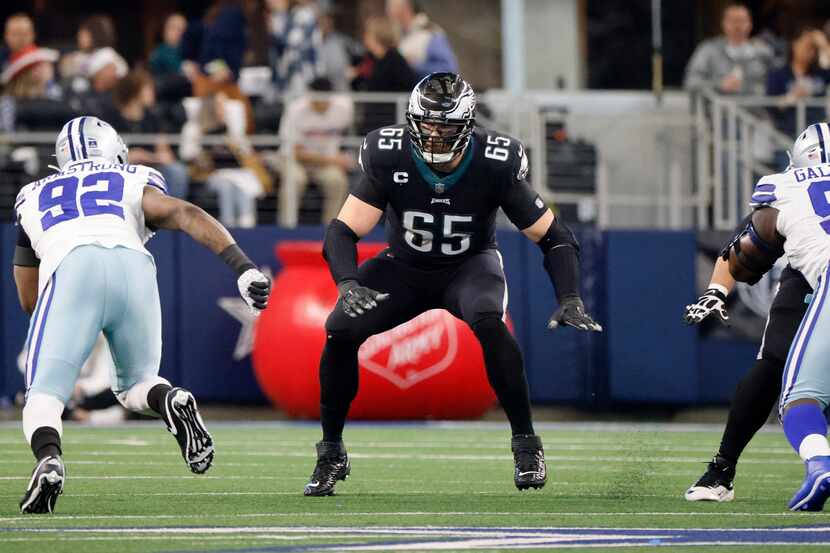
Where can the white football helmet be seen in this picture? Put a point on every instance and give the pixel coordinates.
(89, 137)
(812, 147)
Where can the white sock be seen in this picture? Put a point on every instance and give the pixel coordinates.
(42, 410)
(134, 398)
(813, 445)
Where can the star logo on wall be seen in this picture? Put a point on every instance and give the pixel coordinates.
(239, 310)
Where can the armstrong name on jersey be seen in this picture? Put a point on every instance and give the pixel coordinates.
(89, 202)
(435, 218)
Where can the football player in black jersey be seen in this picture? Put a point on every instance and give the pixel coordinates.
(759, 388)
(440, 180)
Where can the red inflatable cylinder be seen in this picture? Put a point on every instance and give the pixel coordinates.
(428, 368)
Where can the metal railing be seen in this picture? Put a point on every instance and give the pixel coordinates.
(735, 143)
(288, 214)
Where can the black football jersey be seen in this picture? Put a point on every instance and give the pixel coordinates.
(435, 218)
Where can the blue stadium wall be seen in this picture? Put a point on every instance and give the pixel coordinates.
(636, 282)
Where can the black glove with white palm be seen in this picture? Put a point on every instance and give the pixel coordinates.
(571, 312)
(358, 299)
(255, 289)
(713, 301)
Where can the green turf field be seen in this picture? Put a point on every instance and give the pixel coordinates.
(128, 490)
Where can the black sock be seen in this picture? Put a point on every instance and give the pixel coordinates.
(155, 397)
(46, 442)
(505, 370)
(338, 386)
(755, 397)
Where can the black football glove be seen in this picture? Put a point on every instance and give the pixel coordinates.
(571, 312)
(255, 288)
(712, 301)
(358, 299)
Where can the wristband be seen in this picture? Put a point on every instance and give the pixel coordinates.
(236, 259)
(720, 288)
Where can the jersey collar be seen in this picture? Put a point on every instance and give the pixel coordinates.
(444, 182)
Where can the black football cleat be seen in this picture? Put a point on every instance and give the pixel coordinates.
(715, 484)
(183, 420)
(44, 487)
(332, 465)
(529, 457)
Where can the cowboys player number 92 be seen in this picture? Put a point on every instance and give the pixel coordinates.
(81, 269)
(440, 180)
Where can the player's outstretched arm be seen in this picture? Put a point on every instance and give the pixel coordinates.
(355, 220)
(165, 212)
(560, 248)
(713, 300)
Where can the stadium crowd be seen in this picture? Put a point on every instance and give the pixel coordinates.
(737, 63)
(243, 67)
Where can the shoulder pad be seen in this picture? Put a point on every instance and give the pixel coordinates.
(769, 189)
(504, 152)
(383, 147)
(153, 177)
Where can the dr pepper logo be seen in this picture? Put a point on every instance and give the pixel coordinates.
(413, 351)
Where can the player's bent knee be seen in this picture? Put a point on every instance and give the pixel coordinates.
(342, 329)
(134, 398)
(485, 323)
(42, 410)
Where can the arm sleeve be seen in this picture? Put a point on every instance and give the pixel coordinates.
(368, 189)
(24, 255)
(522, 205)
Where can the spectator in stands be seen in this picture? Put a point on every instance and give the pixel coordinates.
(233, 170)
(213, 47)
(134, 99)
(423, 43)
(333, 50)
(94, 33)
(31, 98)
(732, 63)
(167, 58)
(311, 135)
(390, 71)
(801, 78)
(19, 34)
(294, 44)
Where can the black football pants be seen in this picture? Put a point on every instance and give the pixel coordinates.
(758, 390)
(473, 290)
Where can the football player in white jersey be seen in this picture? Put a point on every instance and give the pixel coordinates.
(81, 268)
(792, 216)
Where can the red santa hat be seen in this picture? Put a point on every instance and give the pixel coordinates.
(25, 58)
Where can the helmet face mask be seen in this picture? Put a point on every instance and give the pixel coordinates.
(441, 117)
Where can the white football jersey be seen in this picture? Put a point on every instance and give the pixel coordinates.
(801, 197)
(90, 201)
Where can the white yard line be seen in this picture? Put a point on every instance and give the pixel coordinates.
(466, 426)
(793, 460)
(569, 514)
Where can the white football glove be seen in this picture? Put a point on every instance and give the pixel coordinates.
(255, 289)
(712, 301)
